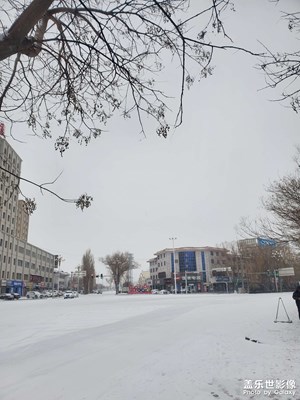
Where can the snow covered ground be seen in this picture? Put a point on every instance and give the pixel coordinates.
(158, 347)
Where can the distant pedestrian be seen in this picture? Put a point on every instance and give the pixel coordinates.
(296, 297)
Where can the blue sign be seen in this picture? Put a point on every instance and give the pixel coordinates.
(14, 283)
(263, 242)
(222, 279)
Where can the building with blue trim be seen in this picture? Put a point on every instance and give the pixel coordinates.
(198, 269)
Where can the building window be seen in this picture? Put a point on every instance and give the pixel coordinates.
(19, 276)
(20, 263)
(187, 261)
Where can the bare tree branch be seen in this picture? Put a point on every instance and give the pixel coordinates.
(84, 201)
(73, 65)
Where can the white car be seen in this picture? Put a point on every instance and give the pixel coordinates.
(164, 292)
(75, 293)
(69, 294)
(33, 295)
(154, 291)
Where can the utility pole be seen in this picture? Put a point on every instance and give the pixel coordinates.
(275, 279)
(175, 277)
(186, 284)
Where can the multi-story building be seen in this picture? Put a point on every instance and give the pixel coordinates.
(23, 266)
(22, 224)
(197, 269)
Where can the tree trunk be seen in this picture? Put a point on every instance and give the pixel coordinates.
(117, 286)
(15, 39)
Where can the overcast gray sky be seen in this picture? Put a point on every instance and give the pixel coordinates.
(196, 184)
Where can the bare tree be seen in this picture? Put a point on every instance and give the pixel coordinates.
(88, 265)
(254, 266)
(118, 264)
(282, 204)
(74, 64)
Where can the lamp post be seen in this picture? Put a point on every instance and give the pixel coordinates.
(175, 277)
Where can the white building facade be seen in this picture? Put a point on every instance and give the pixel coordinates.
(23, 266)
(198, 269)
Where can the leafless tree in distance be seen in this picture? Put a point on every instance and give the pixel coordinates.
(118, 264)
(88, 265)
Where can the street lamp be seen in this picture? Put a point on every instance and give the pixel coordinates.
(175, 277)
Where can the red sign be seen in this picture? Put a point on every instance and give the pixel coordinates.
(139, 290)
(36, 278)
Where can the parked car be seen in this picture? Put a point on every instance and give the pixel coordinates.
(155, 291)
(7, 296)
(33, 295)
(75, 293)
(69, 294)
(16, 296)
(164, 291)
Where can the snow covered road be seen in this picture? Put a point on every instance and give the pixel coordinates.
(172, 347)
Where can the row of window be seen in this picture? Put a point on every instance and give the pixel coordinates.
(21, 250)
(161, 264)
(218, 261)
(18, 276)
(7, 230)
(11, 156)
(163, 255)
(26, 264)
(216, 253)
